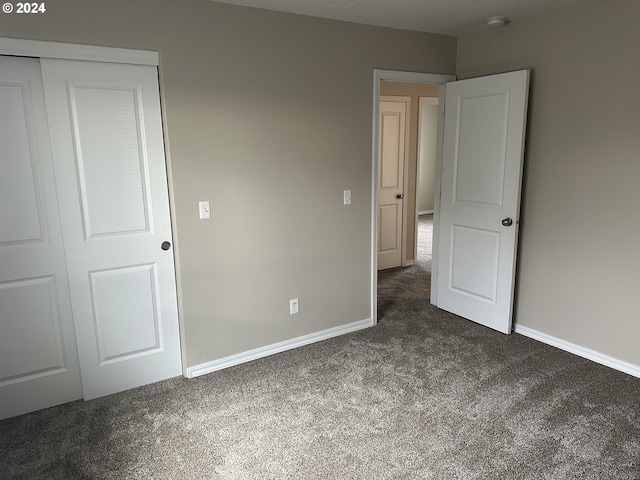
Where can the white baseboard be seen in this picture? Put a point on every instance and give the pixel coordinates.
(276, 348)
(425, 212)
(408, 263)
(583, 352)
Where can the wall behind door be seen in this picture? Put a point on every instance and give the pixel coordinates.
(269, 117)
(427, 139)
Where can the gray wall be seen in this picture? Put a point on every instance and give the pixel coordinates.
(579, 263)
(428, 140)
(269, 117)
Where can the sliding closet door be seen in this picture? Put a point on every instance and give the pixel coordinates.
(38, 359)
(108, 151)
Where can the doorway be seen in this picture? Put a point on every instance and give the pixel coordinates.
(399, 83)
(406, 259)
(480, 150)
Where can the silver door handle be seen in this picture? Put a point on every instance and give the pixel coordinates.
(507, 222)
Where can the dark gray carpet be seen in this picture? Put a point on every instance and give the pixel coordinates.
(423, 395)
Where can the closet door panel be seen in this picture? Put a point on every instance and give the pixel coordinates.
(38, 357)
(108, 154)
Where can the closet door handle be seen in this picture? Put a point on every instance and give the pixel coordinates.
(507, 222)
(165, 245)
(400, 196)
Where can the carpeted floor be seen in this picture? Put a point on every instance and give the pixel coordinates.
(423, 395)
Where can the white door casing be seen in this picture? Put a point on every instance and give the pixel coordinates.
(38, 357)
(483, 148)
(393, 146)
(108, 153)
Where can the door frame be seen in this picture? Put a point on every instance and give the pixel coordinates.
(406, 77)
(71, 51)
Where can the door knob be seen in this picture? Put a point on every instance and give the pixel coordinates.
(165, 245)
(400, 195)
(507, 222)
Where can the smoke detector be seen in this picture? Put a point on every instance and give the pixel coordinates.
(497, 21)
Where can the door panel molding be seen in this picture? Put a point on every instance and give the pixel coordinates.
(33, 315)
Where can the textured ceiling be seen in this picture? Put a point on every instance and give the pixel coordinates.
(449, 17)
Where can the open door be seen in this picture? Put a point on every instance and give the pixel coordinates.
(483, 149)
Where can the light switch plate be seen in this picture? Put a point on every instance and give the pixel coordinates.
(293, 306)
(204, 209)
(347, 197)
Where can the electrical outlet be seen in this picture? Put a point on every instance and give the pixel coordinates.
(204, 209)
(293, 306)
(347, 197)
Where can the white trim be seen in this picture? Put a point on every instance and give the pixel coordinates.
(72, 51)
(583, 352)
(276, 348)
(412, 77)
(435, 238)
(425, 212)
(390, 76)
(377, 78)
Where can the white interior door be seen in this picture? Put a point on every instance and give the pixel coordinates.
(38, 358)
(483, 150)
(108, 151)
(391, 172)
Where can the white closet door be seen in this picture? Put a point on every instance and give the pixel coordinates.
(108, 151)
(38, 358)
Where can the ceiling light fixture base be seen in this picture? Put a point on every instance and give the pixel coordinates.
(497, 21)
